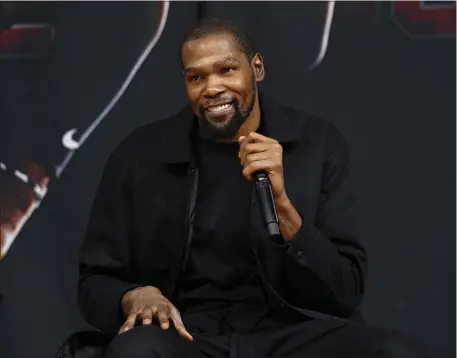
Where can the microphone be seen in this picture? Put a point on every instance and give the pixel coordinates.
(266, 202)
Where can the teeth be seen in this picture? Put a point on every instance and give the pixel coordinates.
(219, 108)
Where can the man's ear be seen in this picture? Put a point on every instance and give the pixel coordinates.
(258, 67)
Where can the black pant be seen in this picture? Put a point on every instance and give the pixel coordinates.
(319, 338)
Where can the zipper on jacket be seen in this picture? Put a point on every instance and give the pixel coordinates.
(190, 211)
(192, 184)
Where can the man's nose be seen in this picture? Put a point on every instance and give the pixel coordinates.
(214, 87)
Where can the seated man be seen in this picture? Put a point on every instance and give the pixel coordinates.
(177, 261)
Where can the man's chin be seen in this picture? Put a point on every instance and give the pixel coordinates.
(218, 130)
(219, 121)
(221, 127)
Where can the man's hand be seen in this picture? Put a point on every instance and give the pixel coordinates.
(148, 303)
(260, 153)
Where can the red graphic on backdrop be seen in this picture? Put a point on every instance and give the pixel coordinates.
(26, 40)
(25, 29)
(425, 18)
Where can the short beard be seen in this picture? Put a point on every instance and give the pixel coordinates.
(210, 131)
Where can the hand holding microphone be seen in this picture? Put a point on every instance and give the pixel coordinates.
(261, 158)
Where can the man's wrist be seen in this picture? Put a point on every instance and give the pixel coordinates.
(289, 219)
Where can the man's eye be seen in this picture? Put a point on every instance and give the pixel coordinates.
(227, 70)
(195, 78)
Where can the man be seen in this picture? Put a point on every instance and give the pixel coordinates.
(177, 260)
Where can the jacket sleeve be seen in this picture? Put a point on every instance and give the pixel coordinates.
(104, 267)
(323, 267)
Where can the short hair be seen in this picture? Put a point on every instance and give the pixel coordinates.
(217, 25)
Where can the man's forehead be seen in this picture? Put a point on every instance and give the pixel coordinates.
(211, 61)
(212, 42)
(210, 50)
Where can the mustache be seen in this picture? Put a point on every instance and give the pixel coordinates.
(217, 101)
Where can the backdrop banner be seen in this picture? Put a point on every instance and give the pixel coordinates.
(77, 77)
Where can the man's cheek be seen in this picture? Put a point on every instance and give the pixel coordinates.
(235, 84)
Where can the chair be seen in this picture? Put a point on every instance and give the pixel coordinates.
(85, 344)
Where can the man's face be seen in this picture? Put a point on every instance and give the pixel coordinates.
(220, 84)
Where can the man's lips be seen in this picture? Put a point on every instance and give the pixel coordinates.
(218, 109)
(216, 104)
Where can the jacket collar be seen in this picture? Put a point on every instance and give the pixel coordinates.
(180, 130)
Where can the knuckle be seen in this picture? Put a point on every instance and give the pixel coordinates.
(166, 303)
(144, 310)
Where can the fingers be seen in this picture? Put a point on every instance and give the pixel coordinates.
(253, 157)
(249, 148)
(162, 317)
(264, 165)
(256, 137)
(179, 325)
(129, 322)
(146, 315)
(251, 140)
(162, 310)
(256, 143)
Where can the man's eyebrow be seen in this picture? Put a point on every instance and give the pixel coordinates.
(226, 60)
(189, 69)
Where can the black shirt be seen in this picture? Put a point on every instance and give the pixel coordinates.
(221, 269)
(221, 274)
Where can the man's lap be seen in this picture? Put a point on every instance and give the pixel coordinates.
(331, 338)
(148, 342)
(319, 338)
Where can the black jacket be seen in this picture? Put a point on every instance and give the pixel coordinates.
(138, 230)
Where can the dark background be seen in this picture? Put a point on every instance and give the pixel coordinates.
(387, 81)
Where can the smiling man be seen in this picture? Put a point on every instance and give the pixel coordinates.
(176, 261)
(223, 107)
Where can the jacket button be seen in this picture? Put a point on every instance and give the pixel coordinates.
(300, 254)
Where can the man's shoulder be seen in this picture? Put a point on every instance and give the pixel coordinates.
(313, 126)
(148, 138)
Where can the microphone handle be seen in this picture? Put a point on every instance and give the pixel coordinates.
(266, 202)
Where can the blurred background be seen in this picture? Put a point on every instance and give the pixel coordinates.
(382, 72)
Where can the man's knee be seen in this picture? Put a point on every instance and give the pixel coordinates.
(398, 346)
(140, 342)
